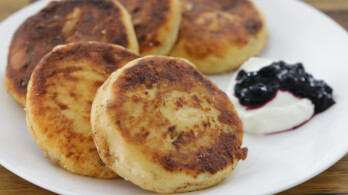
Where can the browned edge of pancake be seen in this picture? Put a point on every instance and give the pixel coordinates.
(150, 18)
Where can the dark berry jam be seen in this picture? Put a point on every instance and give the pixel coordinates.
(254, 89)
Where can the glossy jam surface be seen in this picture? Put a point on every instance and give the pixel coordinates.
(254, 89)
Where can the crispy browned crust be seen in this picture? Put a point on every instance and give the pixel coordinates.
(107, 56)
(148, 18)
(60, 23)
(210, 27)
(55, 95)
(208, 145)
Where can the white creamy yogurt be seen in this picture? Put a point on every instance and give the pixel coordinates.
(284, 112)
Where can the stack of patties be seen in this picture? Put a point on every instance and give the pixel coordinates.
(156, 121)
(216, 35)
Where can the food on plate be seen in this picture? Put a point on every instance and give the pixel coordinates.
(59, 100)
(218, 36)
(62, 22)
(161, 124)
(156, 24)
(273, 96)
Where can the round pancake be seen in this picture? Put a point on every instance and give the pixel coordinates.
(156, 24)
(161, 124)
(62, 22)
(218, 36)
(59, 100)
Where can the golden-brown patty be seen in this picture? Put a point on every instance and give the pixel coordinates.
(62, 22)
(156, 24)
(219, 35)
(161, 124)
(59, 100)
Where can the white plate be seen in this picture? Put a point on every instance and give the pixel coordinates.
(275, 163)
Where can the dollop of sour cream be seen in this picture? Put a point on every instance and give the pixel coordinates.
(284, 112)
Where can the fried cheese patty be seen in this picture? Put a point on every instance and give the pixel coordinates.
(219, 35)
(156, 24)
(59, 100)
(161, 124)
(62, 22)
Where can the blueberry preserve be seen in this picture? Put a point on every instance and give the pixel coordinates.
(254, 89)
